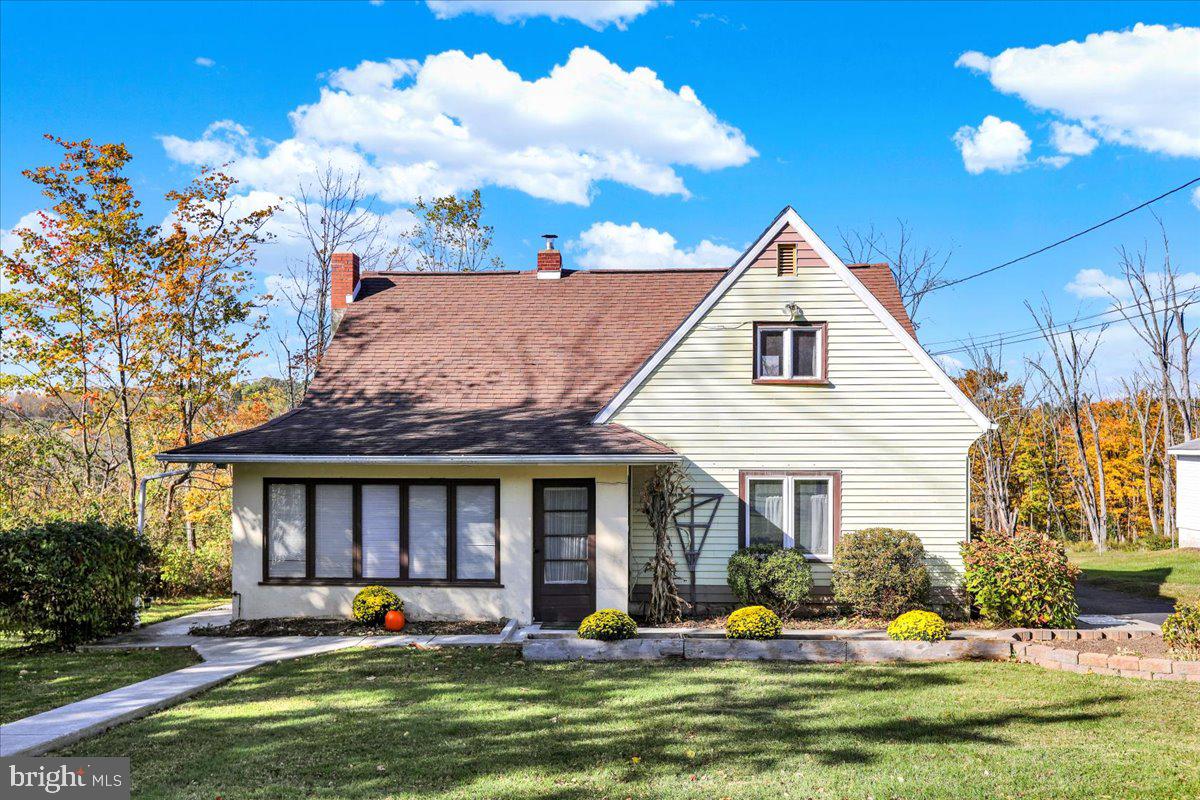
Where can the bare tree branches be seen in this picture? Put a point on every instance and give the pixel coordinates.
(1158, 316)
(917, 270)
(1065, 380)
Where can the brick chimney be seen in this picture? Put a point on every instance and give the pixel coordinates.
(343, 283)
(549, 261)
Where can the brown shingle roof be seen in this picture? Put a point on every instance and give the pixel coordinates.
(489, 364)
(494, 363)
(879, 281)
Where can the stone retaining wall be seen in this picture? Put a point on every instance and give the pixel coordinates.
(1036, 647)
(557, 648)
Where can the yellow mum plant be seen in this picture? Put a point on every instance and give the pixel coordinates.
(918, 626)
(608, 625)
(372, 603)
(753, 622)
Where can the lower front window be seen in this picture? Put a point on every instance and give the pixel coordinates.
(791, 510)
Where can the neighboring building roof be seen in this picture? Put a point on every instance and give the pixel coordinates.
(879, 280)
(1188, 448)
(478, 364)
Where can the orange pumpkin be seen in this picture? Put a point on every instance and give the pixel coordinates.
(394, 621)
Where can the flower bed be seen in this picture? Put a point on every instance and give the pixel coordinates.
(316, 626)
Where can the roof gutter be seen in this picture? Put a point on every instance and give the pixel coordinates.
(266, 458)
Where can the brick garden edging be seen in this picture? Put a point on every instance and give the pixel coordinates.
(1035, 647)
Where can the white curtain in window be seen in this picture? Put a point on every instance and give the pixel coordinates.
(334, 530)
(380, 531)
(427, 531)
(475, 531)
(287, 535)
(811, 510)
(766, 513)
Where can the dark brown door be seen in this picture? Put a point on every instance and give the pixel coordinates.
(564, 549)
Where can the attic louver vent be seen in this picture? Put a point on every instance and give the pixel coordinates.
(785, 259)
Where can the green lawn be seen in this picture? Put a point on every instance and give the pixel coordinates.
(34, 679)
(405, 723)
(163, 610)
(1173, 574)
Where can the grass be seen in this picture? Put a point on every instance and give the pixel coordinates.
(1171, 574)
(163, 610)
(480, 723)
(35, 679)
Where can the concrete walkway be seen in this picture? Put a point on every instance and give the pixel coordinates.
(1095, 601)
(223, 659)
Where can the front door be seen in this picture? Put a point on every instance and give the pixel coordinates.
(564, 549)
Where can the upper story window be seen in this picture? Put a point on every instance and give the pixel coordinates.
(789, 352)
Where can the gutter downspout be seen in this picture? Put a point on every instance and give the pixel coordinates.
(141, 520)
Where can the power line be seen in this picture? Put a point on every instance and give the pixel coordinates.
(1059, 329)
(1098, 225)
(999, 337)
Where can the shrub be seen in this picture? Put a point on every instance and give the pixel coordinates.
(753, 622)
(1024, 579)
(1182, 629)
(205, 571)
(372, 603)
(608, 625)
(880, 572)
(770, 576)
(918, 626)
(70, 582)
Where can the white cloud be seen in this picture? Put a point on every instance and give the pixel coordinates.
(607, 245)
(1136, 87)
(996, 144)
(1196, 197)
(10, 242)
(456, 122)
(204, 61)
(1072, 140)
(950, 364)
(596, 14)
(1090, 283)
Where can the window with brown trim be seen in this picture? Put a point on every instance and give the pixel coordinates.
(791, 509)
(405, 532)
(787, 352)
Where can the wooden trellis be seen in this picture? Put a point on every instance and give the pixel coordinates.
(696, 516)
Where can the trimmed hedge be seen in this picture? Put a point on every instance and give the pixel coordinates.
(918, 626)
(372, 603)
(880, 572)
(1182, 629)
(206, 572)
(70, 582)
(608, 625)
(770, 576)
(753, 622)
(1024, 580)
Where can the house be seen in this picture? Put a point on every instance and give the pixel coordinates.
(479, 440)
(1187, 492)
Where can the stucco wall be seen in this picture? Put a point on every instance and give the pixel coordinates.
(898, 438)
(513, 600)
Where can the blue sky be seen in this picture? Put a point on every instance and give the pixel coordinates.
(849, 112)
